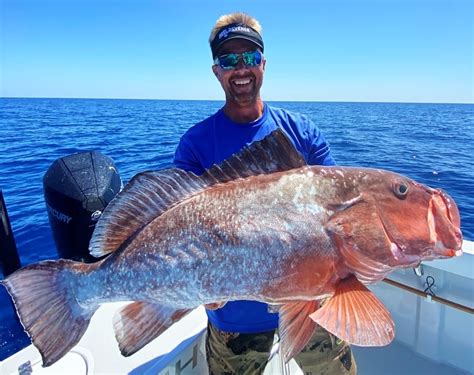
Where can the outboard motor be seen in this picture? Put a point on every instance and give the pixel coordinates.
(77, 188)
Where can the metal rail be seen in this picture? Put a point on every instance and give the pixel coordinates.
(423, 294)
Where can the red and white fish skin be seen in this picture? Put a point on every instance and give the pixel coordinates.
(279, 237)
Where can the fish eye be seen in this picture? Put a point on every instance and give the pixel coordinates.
(401, 190)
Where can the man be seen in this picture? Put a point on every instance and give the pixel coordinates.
(240, 334)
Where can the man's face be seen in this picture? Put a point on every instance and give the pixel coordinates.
(242, 84)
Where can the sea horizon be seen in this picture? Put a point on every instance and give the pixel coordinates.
(223, 100)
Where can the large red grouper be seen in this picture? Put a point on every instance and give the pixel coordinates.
(261, 226)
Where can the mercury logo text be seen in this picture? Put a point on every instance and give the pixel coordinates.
(58, 215)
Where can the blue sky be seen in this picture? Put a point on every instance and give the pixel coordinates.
(319, 50)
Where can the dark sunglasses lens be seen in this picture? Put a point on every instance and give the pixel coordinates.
(253, 58)
(229, 61)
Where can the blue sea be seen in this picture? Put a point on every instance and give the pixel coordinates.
(431, 143)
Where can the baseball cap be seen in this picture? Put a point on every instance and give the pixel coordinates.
(235, 31)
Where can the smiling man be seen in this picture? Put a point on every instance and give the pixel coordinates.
(240, 334)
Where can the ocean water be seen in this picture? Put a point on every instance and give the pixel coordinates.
(431, 143)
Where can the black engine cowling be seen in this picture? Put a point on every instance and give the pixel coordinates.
(77, 188)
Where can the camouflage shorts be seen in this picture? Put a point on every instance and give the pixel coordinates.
(247, 353)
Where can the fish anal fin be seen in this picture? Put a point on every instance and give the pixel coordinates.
(355, 315)
(295, 327)
(139, 323)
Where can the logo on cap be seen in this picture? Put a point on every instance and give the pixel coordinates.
(233, 29)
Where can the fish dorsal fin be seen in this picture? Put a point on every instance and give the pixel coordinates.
(149, 194)
(295, 327)
(355, 315)
(139, 323)
(144, 198)
(274, 153)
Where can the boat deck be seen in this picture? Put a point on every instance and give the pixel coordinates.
(170, 354)
(397, 359)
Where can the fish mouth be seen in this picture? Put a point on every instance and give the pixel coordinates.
(444, 225)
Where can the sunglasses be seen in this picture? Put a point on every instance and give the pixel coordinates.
(230, 61)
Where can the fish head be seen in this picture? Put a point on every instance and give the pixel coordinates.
(420, 223)
(392, 221)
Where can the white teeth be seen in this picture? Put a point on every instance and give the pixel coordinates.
(242, 81)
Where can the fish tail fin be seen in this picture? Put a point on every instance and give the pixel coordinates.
(47, 308)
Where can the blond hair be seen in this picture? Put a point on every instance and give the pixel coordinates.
(238, 17)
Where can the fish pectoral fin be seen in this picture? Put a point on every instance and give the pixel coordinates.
(215, 305)
(139, 323)
(355, 315)
(295, 327)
